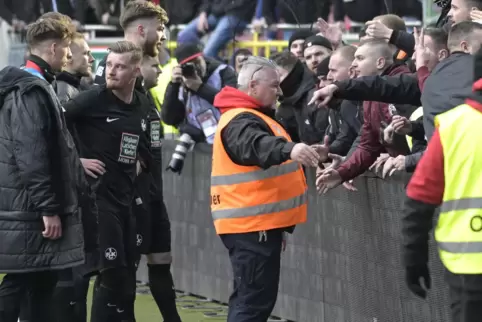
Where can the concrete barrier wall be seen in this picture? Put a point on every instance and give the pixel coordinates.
(343, 265)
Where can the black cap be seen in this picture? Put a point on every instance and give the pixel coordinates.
(318, 41)
(300, 35)
(187, 52)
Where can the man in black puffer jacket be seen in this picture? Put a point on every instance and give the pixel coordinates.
(40, 178)
(303, 123)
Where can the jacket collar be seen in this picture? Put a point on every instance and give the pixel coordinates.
(71, 79)
(37, 63)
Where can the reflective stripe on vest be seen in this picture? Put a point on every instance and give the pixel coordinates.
(255, 175)
(248, 198)
(418, 113)
(459, 228)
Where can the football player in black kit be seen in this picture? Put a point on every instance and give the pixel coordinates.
(143, 23)
(153, 226)
(111, 125)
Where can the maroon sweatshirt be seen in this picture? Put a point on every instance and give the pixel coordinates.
(370, 146)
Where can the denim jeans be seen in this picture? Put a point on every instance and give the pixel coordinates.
(223, 29)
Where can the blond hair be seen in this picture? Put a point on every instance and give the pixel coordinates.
(135, 10)
(127, 47)
(49, 29)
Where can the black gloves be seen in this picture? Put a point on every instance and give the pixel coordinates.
(413, 277)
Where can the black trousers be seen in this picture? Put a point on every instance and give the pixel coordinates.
(465, 297)
(37, 287)
(256, 260)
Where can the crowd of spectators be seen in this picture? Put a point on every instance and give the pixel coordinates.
(207, 14)
(222, 19)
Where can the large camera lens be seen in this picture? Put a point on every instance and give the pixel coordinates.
(177, 160)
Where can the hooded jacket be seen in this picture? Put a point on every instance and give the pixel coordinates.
(39, 176)
(370, 147)
(304, 123)
(248, 140)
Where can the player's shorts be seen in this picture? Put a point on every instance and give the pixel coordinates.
(153, 226)
(117, 236)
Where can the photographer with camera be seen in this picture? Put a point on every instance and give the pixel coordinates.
(188, 102)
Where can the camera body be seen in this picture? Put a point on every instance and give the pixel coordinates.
(188, 70)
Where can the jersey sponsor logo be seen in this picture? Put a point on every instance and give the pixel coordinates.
(128, 148)
(100, 71)
(155, 134)
(110, 253)
(143, 125)
(109, 120)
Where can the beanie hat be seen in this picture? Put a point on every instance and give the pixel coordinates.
(301, 34)
(318, 41)
(186, 52)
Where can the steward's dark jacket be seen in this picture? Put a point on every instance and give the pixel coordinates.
(39, 176)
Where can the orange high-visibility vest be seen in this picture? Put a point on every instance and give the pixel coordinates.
(249, 198)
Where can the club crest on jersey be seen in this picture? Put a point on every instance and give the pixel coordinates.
(110, 253)
(143, 125)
